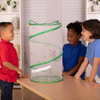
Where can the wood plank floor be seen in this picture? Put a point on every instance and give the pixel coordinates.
(17, 95)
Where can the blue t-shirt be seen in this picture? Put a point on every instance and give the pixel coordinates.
(71, 56)
(93, 50)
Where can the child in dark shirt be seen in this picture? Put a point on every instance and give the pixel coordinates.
(73, 52)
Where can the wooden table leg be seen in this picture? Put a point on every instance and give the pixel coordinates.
(24, 92)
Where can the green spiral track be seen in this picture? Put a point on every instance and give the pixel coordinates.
(31, 22)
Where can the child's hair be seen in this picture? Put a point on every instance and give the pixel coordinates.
(4, 25)
(76, 26)
(92, 25)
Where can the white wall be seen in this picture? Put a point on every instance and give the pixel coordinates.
(42, 11)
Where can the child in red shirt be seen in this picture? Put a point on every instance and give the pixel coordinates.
(9, 66)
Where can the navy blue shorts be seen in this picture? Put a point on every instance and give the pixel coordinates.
(6, 90)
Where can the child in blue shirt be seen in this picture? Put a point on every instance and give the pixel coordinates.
(73, 52)
(91, 33)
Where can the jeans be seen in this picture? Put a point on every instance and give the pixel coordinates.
(6, 90)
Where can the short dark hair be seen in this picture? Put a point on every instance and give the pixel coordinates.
(92, 25)
(76, 26)
(4, 25)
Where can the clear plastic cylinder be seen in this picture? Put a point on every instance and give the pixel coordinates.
(45, 52)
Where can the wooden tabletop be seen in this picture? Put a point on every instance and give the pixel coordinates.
(68, 89)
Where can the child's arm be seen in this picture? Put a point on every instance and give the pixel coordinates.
(96, 62)
(82, 68)
(12, 67)
(76, 67)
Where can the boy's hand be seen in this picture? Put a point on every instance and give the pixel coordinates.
(94, 84)
(20, 72)
(23, 76)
